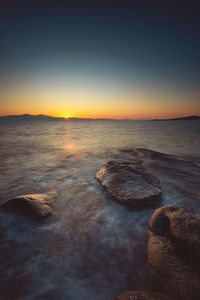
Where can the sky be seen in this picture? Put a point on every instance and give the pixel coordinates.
(113, 59)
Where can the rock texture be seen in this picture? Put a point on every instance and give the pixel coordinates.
(180, 179)
(33, 205)
(130, 184)
(142, 295)
(174, 252)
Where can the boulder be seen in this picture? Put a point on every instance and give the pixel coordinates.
(33, 205)
(130, 184)
(173, 252)
(142, 295)
(180, 178)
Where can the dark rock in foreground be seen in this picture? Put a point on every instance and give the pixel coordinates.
(130, 184)
(33, 205)
(173, 252)
(142, 295)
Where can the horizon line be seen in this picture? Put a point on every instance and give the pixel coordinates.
(100, 118)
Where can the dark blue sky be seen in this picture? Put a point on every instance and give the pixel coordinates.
(146, 42)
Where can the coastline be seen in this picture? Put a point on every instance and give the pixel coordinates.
(178, 180)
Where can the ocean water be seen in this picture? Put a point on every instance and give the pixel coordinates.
(91, 248)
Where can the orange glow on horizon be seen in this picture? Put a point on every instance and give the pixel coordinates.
(136, 103)
(135, 113)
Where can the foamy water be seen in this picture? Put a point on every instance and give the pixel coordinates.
(92, 248)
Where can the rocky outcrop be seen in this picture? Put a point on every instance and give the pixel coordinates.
(130, 184)
(34, 205)
(173, 252)
(180, 179)
(142, 295)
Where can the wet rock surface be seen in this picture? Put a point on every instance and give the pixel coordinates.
(173, 252)
(142, 295)
(103, 244)
(36, 206)
(179, 178)
(130, 184)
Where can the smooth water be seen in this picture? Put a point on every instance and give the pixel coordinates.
(92, 248)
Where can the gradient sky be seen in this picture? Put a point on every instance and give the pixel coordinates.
(113, 59)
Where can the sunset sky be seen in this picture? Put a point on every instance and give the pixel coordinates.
(110, 60)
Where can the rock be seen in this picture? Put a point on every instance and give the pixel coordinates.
(180, 179)
(142, 295)
(173, 252)
(33, 205)
(130, 184)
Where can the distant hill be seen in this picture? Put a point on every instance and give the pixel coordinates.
(30, 118)
(189, 118)
(27, 117)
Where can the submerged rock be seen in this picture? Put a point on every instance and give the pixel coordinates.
(173, 251)
(142, 295)
(33, 205)
(180, 178)
(130, 184)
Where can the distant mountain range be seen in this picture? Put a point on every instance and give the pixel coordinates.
(28, 117)
(189, 118)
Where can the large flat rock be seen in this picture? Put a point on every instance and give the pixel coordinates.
(173, 252)
(130, 184)
(33, 205)
(180, 178)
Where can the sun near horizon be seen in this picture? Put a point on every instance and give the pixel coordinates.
(121, 100)
(88, 64)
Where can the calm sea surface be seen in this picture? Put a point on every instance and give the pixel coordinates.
(92, 248)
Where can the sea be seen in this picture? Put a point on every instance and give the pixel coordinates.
(92, 247)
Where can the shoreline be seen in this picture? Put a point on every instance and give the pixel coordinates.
(98, 218)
